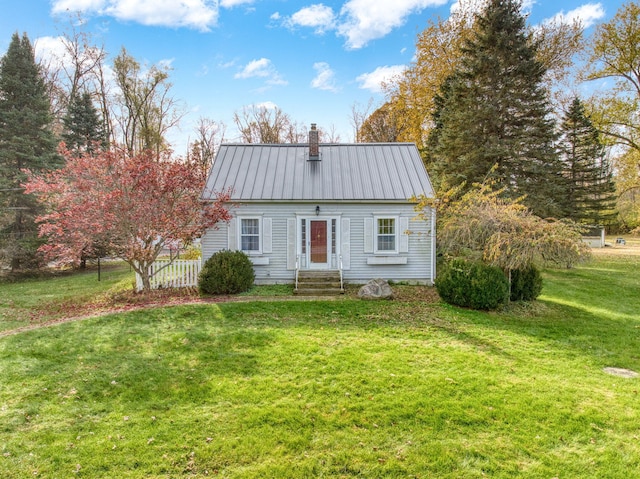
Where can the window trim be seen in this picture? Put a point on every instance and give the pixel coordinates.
(260, 235)
(376, 234)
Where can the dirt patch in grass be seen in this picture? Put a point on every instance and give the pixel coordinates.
(630, 248)
(621, 372)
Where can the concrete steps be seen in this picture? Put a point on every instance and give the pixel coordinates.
(319, 283)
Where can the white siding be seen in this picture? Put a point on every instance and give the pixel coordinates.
(213, 240)
(368, 234)
(415, 247)
(232, 234)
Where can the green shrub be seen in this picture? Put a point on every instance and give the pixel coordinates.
(526, 284)
(472, 285)
(226, 272)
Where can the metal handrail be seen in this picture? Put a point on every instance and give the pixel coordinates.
(341, 277)
(297, 270)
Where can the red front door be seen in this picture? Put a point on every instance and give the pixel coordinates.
(318, 241)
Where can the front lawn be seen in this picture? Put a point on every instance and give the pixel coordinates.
(334, 388)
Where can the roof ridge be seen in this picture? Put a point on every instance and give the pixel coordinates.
(305, 145)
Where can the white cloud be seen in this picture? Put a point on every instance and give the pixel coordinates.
(527, 5)
(166, 63)
(52, 52)
(366, 20)
(476, 6)
(472, 5)
(587, 15)
(359, 21)
(225, 65)
(256, 68)
(373, 81)
(197, 14)
(267, 105)
(325, 77)
(234, 3)
(60, 6)
(318, 16)
(261, 68)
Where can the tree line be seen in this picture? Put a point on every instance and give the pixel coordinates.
(485, 100)
(490, 97)
(114, 187)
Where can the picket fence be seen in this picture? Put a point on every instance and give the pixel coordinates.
(179, 273)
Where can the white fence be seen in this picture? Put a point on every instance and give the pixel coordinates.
(179, 273)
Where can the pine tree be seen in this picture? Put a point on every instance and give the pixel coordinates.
(495, 111)
(26, 141)
(83, 128)
(590, 189)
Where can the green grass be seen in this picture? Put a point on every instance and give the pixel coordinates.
(270, 290)
(334, 389)
(36, 299)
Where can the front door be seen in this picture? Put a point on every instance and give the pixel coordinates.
(318, 242)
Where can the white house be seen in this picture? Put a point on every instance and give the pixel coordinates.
(318, 207)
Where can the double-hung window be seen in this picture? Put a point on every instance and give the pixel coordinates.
(386, 240)
(250, 235)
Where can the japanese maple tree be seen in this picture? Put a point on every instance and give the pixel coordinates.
(132, 205)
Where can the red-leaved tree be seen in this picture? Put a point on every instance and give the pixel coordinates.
(129, 205)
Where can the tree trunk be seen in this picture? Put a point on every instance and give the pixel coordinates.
(146, 282)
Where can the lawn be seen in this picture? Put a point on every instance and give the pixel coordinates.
(49, 297)
(344, 388)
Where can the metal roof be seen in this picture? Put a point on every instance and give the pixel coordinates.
(343, 172)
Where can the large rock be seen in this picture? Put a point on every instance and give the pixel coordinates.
(376, 289)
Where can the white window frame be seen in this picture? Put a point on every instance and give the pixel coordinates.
(260, 234)
(376, 234)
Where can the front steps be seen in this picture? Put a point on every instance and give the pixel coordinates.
(319, 283)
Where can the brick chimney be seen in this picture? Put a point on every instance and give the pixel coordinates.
(314, 145)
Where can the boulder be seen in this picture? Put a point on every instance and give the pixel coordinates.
(376, 289)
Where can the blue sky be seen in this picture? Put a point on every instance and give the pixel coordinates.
(313, 60)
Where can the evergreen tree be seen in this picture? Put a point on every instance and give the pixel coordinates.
(494, 111)
(83, 127)
(26, 141)
(590, 189)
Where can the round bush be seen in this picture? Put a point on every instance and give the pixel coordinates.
(472, 285)
(526, 284)
(226, 272)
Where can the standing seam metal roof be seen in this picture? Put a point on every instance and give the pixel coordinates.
(359, 172)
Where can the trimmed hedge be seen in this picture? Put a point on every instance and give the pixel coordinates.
(526, 284)
(472, 284)
(227, 272)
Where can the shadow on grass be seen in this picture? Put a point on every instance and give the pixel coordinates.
(178, 351)
(165, 356)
